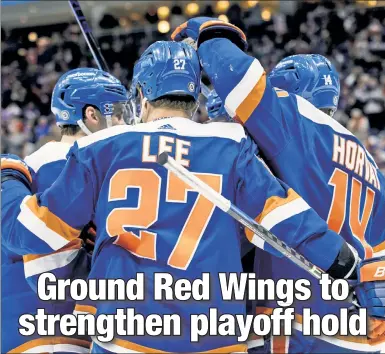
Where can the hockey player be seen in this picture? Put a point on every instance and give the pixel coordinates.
(166, 227)
(83, 101)
(311, 76)
(310, 151)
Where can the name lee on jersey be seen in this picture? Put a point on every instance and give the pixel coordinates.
(180, 148)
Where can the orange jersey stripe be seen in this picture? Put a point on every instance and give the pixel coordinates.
(178, 30)
(51, 220)
(16, 166)
(271, 204)
(50, 341)
(74, 244)
(132, 346)
(239, 348)
(221, 23)
(373, 271)
(281, 93)
(279, 344)
(85, 308)
(376, 328)
(251, 102)
(379, 247)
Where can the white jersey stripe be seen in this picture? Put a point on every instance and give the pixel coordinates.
(49, 262)
(114, 348)
(255, 343)
(48, 153)
(244, 87)
(284, 212)
(181, 126)
(307, 110)
(55, 348)
(258, 241)
(31, 222)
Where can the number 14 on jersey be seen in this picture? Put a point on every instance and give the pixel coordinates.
(358, 222)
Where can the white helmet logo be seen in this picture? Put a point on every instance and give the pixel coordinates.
(108, 109)
(328, 80)
(335, 100)
(191, 87)
(65, 115)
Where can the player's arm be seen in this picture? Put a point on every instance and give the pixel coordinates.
(70, 262)
(280, 209)
(270, 116)
(47, 222)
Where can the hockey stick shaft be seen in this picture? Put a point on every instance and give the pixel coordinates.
(225, 205)
(87, 33)
(93, 45)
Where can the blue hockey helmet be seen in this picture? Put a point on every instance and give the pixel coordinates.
(310, 76)
(86, 86)
(215, 107)
(166, 69)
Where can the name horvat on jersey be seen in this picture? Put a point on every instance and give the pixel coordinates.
(354, 157)
(169, 144)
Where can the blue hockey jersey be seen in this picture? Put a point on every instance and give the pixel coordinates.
(19, 278)
(320, 159)
(149, 221)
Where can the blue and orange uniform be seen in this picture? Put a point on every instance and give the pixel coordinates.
(22, 271)
(72, 93)
(165, 227)
(320, 159)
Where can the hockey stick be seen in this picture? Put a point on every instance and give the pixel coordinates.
(93, 45)
(87, 33)
(225, 205)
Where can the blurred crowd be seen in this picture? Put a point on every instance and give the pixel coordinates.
(353, 38)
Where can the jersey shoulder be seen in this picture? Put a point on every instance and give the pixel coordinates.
(175, 125)
(312, 113)
(47, 154)
(47, 163)
(188, 128)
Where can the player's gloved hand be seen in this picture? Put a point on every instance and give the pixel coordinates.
(201, 29)
(88, 235)
(14, 168)
(370, 291)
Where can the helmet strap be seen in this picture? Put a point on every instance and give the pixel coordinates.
(109, 121)
(195, 110)
(144, 100)
(83, 127)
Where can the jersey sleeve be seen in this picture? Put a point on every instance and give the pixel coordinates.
(281, 210)
(70, 262)
(46, 222)
(269, 114)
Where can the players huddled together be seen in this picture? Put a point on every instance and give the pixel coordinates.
(96, 205)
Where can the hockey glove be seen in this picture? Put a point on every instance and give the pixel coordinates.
(14, 168)
(88, 235)
(370, 292)
(200, 29)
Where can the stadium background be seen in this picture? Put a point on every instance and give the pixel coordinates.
(40, 40)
